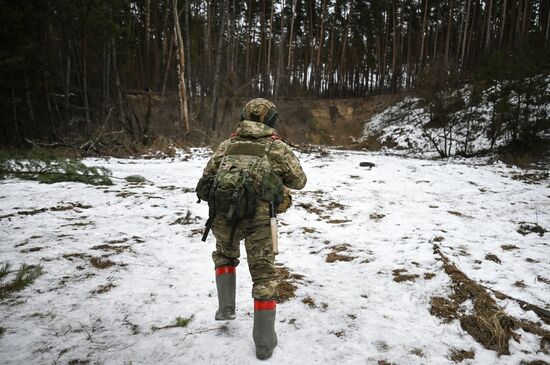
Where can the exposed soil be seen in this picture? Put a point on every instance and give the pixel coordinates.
(336, 122)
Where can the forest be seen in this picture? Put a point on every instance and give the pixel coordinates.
(72, 70)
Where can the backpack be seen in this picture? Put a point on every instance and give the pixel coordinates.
(233, 192)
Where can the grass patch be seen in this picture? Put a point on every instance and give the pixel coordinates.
(2, 331)
(125, 194)
(531, 178)
(429, 275)
(418, 352)
(509, 247)
(99, 263)
(376, 216)
(24, 277)
(336, 255)
(70, 256)
(339, 221)
(113, 248)
(399, 275)
(461, 355)
(309, 301)
(32, 249)
(188, 219)
(488, 324)
(103, 288)
(526, 228)
(493, 258)
(179, 322)
(4, 271)
(286, 288)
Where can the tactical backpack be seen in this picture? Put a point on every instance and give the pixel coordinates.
(233, 192)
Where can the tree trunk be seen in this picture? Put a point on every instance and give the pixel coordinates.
(187, 48)
(147, 25)
(395, 47)
(423, 32)
(180, 55)
(294, 2)
(247, 73)
(503, 23)
(280, 68)
(85, 87)
(488, 31)
(67, 85)
(465, 36)
(319, 48)
(448, 35)
(219, 51)
(270, 38)
(168, 65)
(121, 102)
(436, 36)
(15, 120)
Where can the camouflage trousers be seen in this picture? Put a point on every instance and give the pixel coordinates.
(259, 252)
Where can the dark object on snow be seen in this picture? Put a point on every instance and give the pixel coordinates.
(370, 165)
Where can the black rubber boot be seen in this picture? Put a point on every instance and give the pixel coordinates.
(225, 283)
(264, 334)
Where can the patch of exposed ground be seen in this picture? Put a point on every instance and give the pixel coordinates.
(337, 253)
(487, 322)
(324, 208)
(531, 178)
(492, 257)
(62, 206)
(376, 216)
(101, 263)
(103, 288)
(287, 283)
(400, 275)
(461, 355)
(526, 228)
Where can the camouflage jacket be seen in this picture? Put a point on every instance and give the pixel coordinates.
(280, 156)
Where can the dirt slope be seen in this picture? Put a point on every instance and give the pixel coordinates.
(302, 120)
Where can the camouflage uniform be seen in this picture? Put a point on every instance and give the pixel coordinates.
(255, 231)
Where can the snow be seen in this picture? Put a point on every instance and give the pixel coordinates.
(388, 216)
(404, 128)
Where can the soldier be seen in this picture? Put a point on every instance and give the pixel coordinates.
(256, 149)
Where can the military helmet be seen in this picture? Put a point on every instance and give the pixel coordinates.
(260, 110)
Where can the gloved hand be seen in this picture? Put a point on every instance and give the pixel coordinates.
(286, 203)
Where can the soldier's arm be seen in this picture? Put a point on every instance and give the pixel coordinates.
(214, 162)
(288, 167)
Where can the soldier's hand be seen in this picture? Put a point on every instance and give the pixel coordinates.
(286, 203)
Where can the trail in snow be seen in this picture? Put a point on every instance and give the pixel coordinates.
(369, 222)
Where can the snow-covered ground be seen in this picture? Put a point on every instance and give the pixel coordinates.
(409, 127)
(385, 218)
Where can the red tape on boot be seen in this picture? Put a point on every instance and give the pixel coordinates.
(225, 270)
(265, 305)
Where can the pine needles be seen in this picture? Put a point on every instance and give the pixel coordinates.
(180, 322)
(48, 170)
(24, 277)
